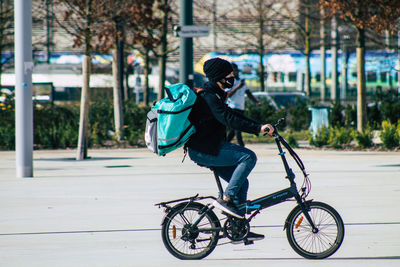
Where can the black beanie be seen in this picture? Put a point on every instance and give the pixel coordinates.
(217, 69)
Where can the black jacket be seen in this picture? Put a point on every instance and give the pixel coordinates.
(210, 115)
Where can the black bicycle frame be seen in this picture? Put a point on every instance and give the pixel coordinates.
(254, 206)
(277, 197)
(280, 196)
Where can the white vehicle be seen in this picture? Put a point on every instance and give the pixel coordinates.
(281, 100)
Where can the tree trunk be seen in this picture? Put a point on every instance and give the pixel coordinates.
(398, 61)
(262, 72)
(345, 61)
(323, 57)
(120, 62)
(261, 47)
(387, 44)
(163, 54)
(307, 49)
(118, 111)
(361, 90)
(85, 94)
(84, 113)
(308, 72)
(146, 89)
(334, 77)
(215, 47)
(162, 78)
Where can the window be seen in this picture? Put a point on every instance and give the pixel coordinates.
(371, 76)
(383, 76)
(318, 77)
(292, 76)
(274, 77)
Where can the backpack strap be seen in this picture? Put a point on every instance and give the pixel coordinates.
(170, 95)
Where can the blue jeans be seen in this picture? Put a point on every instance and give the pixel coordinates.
(233, 164)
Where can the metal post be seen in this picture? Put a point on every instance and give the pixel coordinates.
(23, 88)
(186, 45)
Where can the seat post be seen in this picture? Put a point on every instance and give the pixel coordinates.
(217, 179)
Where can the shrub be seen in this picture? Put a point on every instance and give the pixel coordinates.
(321, 138)
(339, 136)
(291, 139)
(390, 111)
(299, 117)
(374, 116)
(389, 105)
(135, 122)
(350, 116)
(336, 118)
(101, 118)
(7, 124)
(264, 113)
(364, 138)
(390, 135)
(55, 126)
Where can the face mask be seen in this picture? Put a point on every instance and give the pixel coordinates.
(229, 82)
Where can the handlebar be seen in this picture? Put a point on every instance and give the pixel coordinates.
(280, 140)
(275, 134)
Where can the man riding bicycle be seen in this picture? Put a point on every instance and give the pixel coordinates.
(207, 147)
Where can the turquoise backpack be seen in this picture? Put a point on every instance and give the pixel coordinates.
(167, 125)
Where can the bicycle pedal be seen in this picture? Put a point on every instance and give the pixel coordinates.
(248, 242)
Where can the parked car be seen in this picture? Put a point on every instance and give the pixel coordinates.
(281, 100)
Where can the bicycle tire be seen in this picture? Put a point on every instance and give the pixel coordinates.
(321, 244)
(182, 244)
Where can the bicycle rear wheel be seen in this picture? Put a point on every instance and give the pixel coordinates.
(315, 244)
(185, 241)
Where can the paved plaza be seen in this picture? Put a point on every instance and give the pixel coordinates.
(100, 212)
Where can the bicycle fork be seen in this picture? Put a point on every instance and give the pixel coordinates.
(305, 207)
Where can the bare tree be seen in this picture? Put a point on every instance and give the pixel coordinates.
(250, 25)
(42, 16)
(379, 15)
(79, 19)
(145, 36)
(301, 31)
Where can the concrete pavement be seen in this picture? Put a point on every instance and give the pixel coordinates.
(100, 212)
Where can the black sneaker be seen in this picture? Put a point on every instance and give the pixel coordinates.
(253, 236)
(249, 239)
(228, 207)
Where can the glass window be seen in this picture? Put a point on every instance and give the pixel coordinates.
(292, 76)
(383, 76)
(318, 77)
(274, 77)
(371, 76)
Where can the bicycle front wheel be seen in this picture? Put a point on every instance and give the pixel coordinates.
(316, 243)
(185, 240)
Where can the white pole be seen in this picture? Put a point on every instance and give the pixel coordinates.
(23, 88)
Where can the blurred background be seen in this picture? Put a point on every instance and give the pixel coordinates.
(298, 55)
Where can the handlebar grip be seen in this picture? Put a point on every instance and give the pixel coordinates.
(266, 131)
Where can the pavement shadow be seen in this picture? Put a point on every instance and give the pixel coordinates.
(88, 159)
(296, 259)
